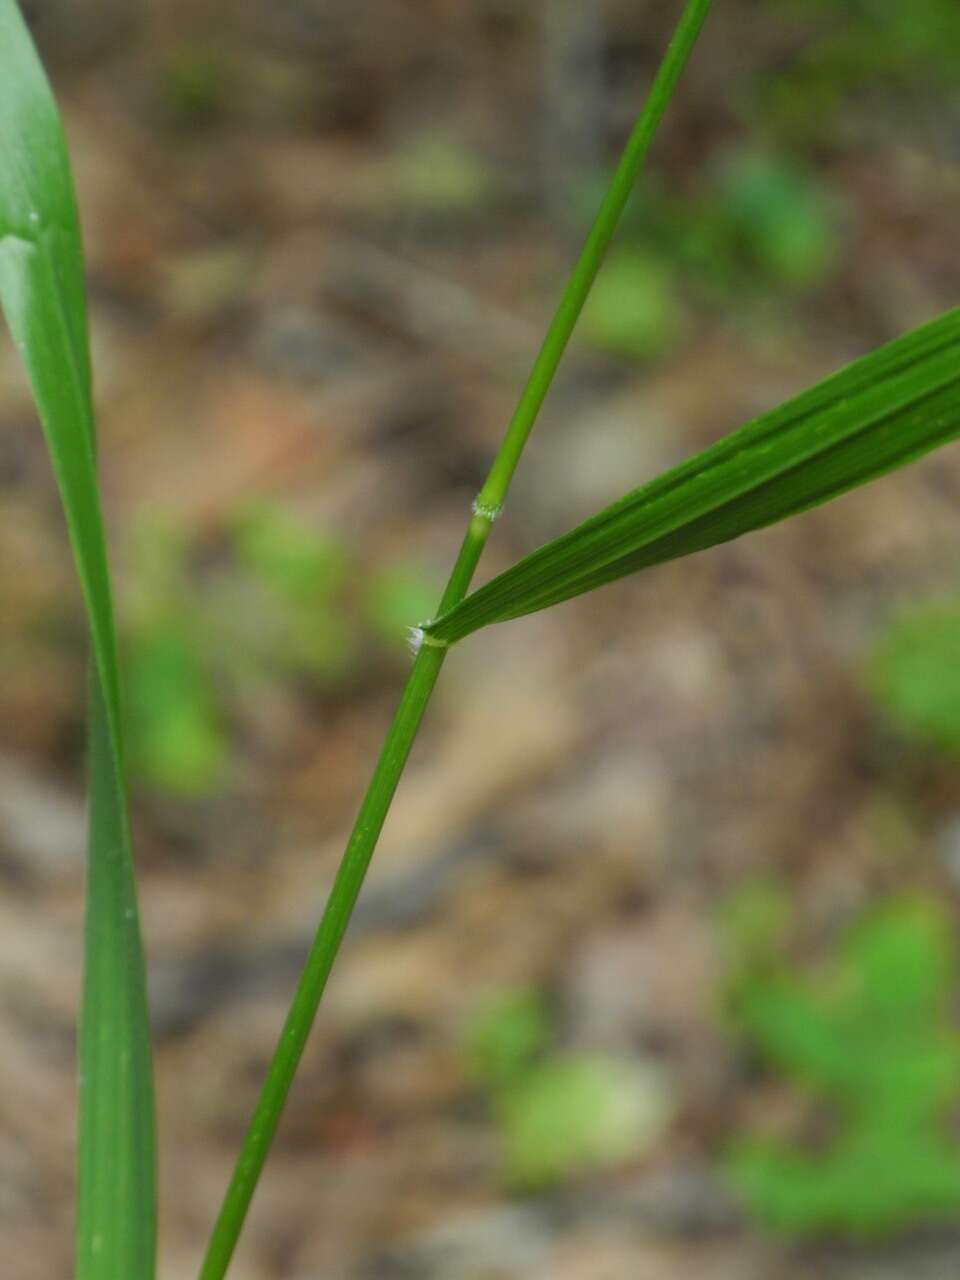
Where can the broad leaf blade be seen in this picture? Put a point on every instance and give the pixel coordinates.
(878, 414)
(42, 295)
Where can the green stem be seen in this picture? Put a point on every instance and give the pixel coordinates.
(426, 667)
(336, 917)
(494, 491)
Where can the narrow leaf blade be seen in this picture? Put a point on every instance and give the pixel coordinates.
(872, 417)
(43, 297)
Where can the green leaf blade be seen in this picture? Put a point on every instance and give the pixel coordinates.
(878, 414)
(42, 295)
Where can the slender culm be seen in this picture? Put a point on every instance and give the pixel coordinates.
(429, 660)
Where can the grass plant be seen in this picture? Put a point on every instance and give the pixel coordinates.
(879, 414)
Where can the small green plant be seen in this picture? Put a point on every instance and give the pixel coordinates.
(756, 221)
(634, 310)
(282, 602)
(869, 1034)
(856, 50)
(173, 719)
(777, 218)
(191, 86)
(288, 600)
(559, 1114)
(914, 675)
(176, 732)
(505, 1033)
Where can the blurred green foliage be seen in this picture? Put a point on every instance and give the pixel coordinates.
(175, 726)
(777, 219)
(757, 223)
(633, 309)
(851, 47)
(505, 1035)
(914, 675)
(766, 219)
(754, 928)
(279, 601)
(191, 86)
(299, 563)
(288, 600)
(396, 596)
(869, 1034)
(560, 1115)
(439, 174)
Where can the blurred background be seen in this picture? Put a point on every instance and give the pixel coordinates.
(653, 975)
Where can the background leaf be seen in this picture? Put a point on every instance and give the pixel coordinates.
(878, 414)
(914, 675)
(42, 294)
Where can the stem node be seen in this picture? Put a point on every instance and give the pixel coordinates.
(486, 510)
